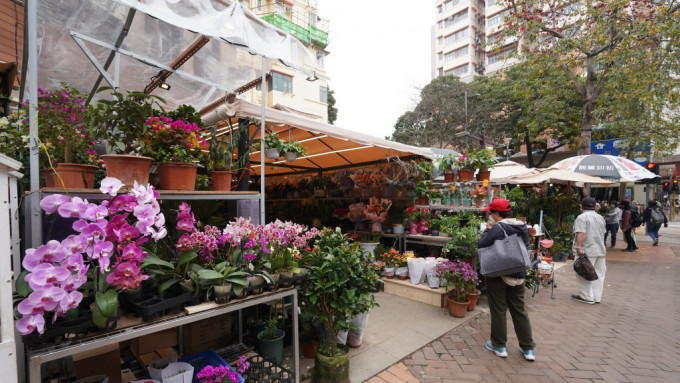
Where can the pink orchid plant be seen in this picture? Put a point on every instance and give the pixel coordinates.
(107, 248)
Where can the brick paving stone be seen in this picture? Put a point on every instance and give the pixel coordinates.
(615, 341)
(389, 377)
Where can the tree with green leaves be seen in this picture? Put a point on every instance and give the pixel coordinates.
(619, 56)
(332, 110)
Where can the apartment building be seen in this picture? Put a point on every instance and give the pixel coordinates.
(460, 35)
(290, 90)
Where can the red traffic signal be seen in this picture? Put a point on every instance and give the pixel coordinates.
(652, 167)
(665, 187)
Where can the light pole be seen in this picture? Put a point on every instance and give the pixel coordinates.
(466, 115)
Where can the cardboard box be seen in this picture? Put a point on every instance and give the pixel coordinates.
(211, 333)
(101, 361)
(152, 342)
(150, 357)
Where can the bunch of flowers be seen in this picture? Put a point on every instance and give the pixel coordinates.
(340, 213)
(460, 278)
(379, 179)
(166, 140)
(63, 123)
(343, 180)
(465, 162)
(356, 212)
(415, 214)
(108, 245)
(211, 374)
(479, 192)
(362, 180)
(377, 209)
(390, 258)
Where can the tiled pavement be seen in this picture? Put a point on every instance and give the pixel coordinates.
(633, 336)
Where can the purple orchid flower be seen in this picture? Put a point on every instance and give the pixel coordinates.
(30, 323)
(110, 186)
(73, 209)
(53, 202)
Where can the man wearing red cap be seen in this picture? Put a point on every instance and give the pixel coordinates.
(507, 291)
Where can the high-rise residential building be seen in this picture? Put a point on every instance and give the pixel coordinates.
(461, 35)
(288, 89)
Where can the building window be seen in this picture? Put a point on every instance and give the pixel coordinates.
(460, 52)
(282, 83)
(323, 94)
(497, 18)
(458, 71)
(452, 38)
(320, 59)
(441, 71)
(491, 3)
(454, 19)
(496, 57)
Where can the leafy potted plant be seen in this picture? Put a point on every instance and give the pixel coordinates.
(335, 267)
(434, 196)
(224, 278)
(422, 188)
(219, 160)
(175, 145)
(121, 123)
(65, 139)
(292, 150)
(460, 279)
(319, 183)
(483, 160)
(479, 194)
(273, 146)
(466, 166)
(446, 164)
(271, 341)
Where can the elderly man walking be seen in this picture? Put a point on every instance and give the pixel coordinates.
(589, 229)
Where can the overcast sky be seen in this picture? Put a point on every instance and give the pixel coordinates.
(379, 57)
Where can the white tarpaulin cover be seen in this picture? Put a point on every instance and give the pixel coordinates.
(161, 36)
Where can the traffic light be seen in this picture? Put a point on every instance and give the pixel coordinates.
(652, 167)
(675, 184)
(665, 186)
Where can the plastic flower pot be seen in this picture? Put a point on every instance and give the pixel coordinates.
(272, 347)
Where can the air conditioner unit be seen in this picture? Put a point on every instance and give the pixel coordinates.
(288, 9)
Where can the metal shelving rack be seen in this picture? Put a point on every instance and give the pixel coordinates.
(37, 357)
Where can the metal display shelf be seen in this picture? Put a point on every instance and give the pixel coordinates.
(165, 194)
(453, 209)
(420, 239)
(37, 357)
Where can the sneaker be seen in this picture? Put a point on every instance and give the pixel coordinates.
(500, 351)
(529, 355)
(628, 250)
(578, 298)
(656, 241)
(613, 246)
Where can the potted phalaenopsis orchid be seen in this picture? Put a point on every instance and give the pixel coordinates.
(101, 257)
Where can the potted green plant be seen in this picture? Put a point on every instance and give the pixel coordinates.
(121, 123)
(466, 166)
(434, 196)
(483, 160)
(224, 278)
(273, 146)
(218, 161)
(319, 185)
(446, 164)
(68, 157)
(335, 267)
(271, 341)
(422, 188)
(292, 150)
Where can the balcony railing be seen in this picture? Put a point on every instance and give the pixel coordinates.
(289, 20)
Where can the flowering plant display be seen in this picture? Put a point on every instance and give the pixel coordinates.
(465, 189)
(391, 257)
(223, 374)
(166, 140)
(460, 278)
(379, 179)
(343, 180)
(416, 214)
(479, 192)
(465, 162)
(434, 193)
(13, 136)
(362, 179)
(63, 126)
(483, 158)
(106, 251)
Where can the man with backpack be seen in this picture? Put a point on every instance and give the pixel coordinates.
(629, 221)
(653, 217)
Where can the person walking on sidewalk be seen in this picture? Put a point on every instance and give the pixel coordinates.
(506, 292)
(627, 225)
(612, 219)
(653, 217)
(589, 229)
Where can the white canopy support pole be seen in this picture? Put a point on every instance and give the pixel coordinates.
(207, 96)
(262, 127)
(33, 216)
(116, 70)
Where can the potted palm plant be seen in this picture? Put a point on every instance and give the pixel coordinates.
(326, 297)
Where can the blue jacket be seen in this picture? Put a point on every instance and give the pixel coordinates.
(511, 226)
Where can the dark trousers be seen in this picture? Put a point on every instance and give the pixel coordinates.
(613, 228)
(628, 234)
(501, 299)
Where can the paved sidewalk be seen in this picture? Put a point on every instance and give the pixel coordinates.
(633, 336)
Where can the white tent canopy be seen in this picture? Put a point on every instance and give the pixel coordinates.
(502, 170)
(537, 176)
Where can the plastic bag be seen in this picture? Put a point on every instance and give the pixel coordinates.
(416, 269)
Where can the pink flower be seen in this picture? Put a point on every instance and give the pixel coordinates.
(30, 323)
(110, 185)
(53, 202)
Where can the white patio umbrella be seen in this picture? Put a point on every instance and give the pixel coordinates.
(613, 168)
(505, 169)
(537, 176)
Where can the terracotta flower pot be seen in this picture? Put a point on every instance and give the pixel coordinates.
(466, 175)
(128, 169)
(422, 200)
(177, 175)
(448, 177)
(457, 309)
(483, 175)
(221, 180)
(75, 175)
(473, 300)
